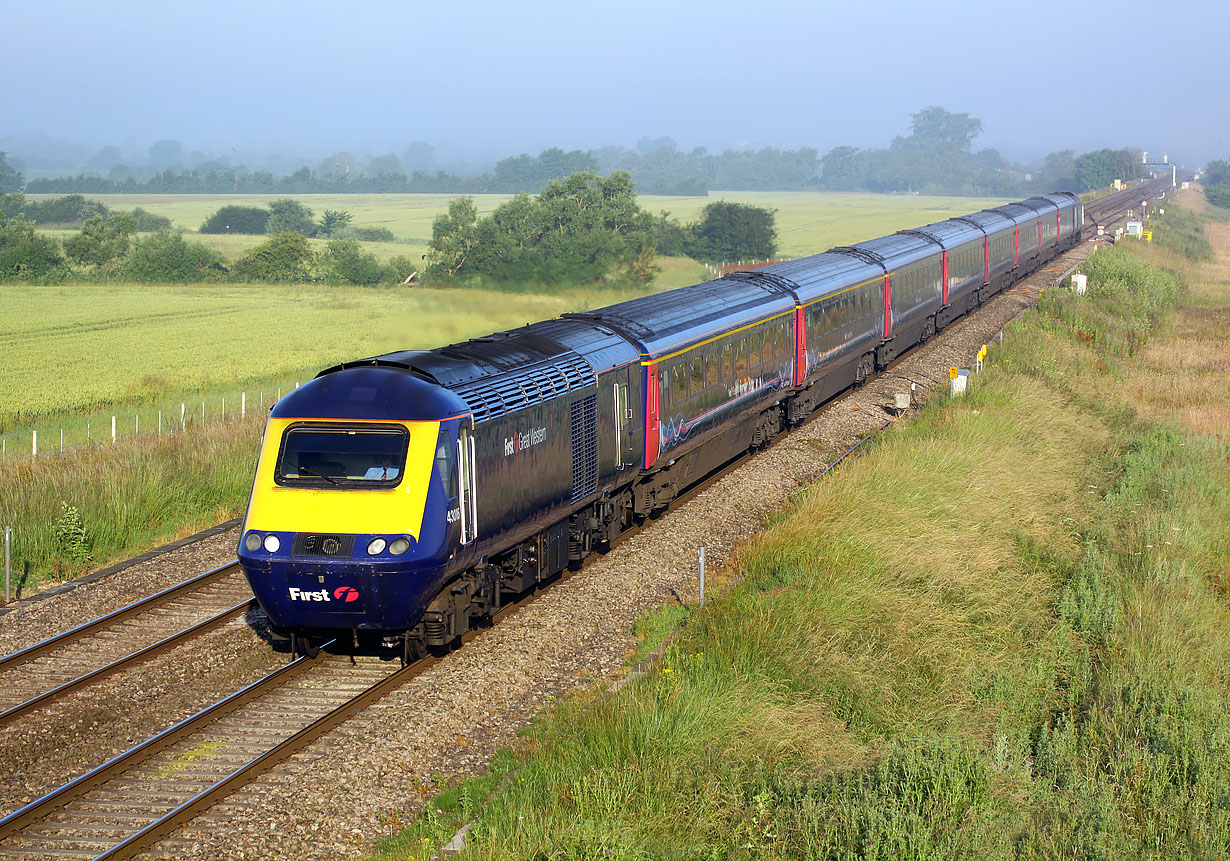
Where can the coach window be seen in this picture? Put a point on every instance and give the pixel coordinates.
(698, 375)
(679, 383)
(741, 358)
(728, 368)
(711, 367)
(779, 339)
(753, 348)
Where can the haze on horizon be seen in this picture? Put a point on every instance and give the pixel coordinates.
(483, 80)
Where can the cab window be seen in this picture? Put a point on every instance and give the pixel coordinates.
(446, 465)
(350, 456)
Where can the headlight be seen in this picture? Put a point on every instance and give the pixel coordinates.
(272, 544)
(375, 546)
(252, 542)
(399, 546)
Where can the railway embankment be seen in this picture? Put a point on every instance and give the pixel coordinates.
(1002, 632)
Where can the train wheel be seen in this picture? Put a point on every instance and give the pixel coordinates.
(301, 644)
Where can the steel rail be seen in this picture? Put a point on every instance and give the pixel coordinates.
(59, 640)
(136, 657)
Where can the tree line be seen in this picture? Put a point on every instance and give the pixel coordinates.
(935, 157)
(584, 229)
(1216, 181)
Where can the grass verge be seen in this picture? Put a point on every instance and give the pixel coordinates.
(1001, 633)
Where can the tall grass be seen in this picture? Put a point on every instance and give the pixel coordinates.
(78, 511)
(1001, 633)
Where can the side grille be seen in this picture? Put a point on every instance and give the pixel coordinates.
(491, 397)
(584, 447)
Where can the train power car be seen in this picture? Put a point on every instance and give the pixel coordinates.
(403, 498)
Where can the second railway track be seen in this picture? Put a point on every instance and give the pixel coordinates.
(38, 675)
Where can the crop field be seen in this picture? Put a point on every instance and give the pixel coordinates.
(72, 353)
(807, 222)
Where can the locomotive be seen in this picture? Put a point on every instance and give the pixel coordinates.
(404, 497)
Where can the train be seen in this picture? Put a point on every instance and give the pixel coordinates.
(404, 498)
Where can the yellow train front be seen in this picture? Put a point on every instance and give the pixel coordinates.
(354, 512)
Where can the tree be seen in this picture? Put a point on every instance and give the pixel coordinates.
(11, 181)
(842, 169)
(385, 165)
(165, 153)
(1096, 169)
(25, 255)
(285, 256)
(1059, 171)
(105, 159)
(1216, 173)
(419, 156)
(453, 237)
(237, 219)
(148, 222)
(103, 241)
(339, 166)
(332, 221)
(167, 257)
(935, 127)
(290, 215)
(734, 231)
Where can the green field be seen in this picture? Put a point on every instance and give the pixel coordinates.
(807, 222)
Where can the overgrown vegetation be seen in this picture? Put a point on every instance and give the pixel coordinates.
(1216, 181)
(1002, 633)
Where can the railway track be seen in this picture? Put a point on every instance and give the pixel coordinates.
(144, 795)
(45, 672)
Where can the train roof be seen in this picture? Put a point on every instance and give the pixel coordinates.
(898, 249)
(1016, 212)
(369, 392)
(948, 234)
(814, 277)
(664, 322)
(988, 220)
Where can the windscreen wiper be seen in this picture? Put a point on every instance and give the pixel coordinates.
(306, 471)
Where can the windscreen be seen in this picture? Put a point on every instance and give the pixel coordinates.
(354, 457)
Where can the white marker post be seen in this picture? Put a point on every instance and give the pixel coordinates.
(8, 568)
(702, 576)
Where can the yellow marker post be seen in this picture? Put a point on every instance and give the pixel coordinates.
(952, 373)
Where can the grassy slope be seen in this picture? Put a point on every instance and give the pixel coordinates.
(1002, 633)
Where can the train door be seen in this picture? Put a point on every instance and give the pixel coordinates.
(626, 453)
(467, 485)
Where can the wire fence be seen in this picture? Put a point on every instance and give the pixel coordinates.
(56, 438)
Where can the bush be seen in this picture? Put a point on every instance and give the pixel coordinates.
(103, 241)
(26, 256)
(168, 257)
(734, 231)
(348, 263)
(366, 234)
(291, 216)
(285, 256)
(147, 222)
(1218, 195)
(71, 209)
(237, 219)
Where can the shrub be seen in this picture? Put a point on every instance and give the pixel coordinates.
(70, 209)
(366, 234)
(237, 219)
(285, 256)
(147, 222)
(103, 240)
(347, 262)
(167, 257)
(26, 256)
(288, 215)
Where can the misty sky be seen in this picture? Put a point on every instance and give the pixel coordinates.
(505, 77)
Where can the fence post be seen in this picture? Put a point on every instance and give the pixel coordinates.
(183, 421)
(202, 414)
(61, 440)
(8, 567)
(34, 445)
(702, 576)
(137, 426)
(243, 405)
(113, 430)
(224, 409)
(160, 423)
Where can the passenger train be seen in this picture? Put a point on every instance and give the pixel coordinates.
(404, 497)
